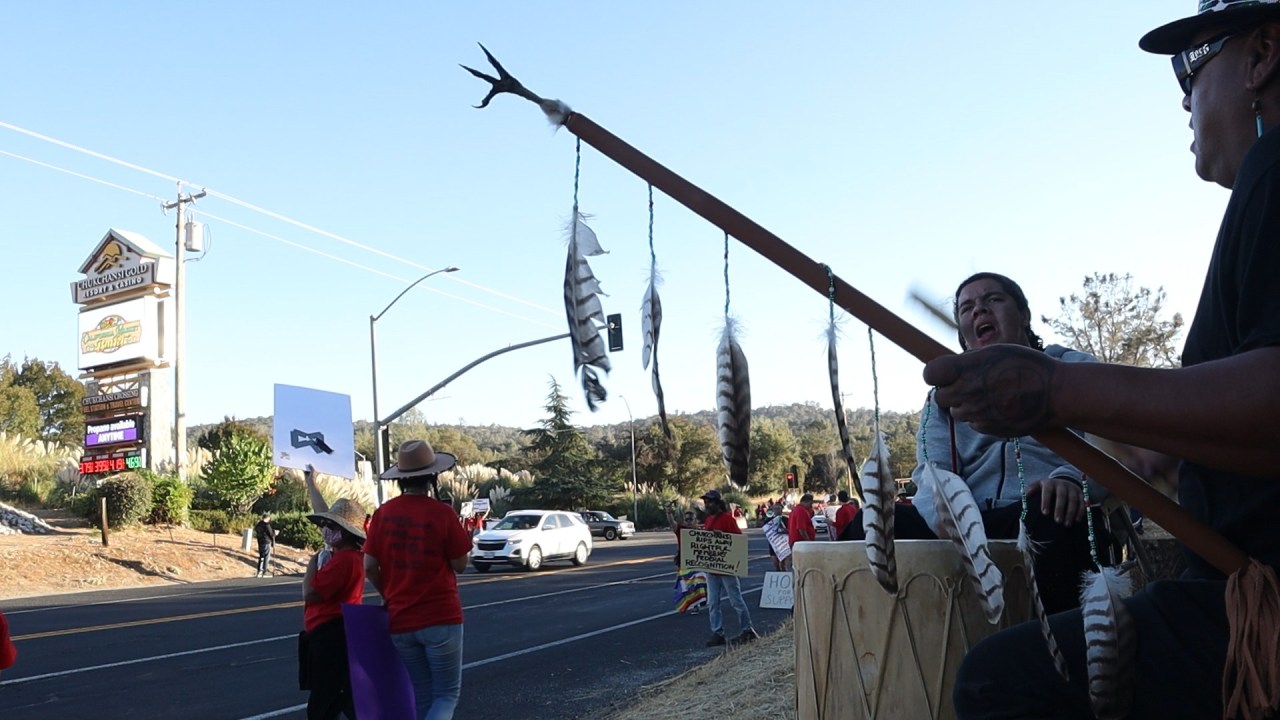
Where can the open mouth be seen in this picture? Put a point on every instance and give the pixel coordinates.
(985, 333)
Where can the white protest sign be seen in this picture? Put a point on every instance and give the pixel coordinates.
(480, 505)
(313, 427)
(776, 534)
(714, 552)
(466, 509)
(777, 591)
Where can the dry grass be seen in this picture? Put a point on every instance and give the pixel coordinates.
(756, 680)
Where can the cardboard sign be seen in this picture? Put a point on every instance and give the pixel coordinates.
(714, 552)
(776, 534)
(480, 505)
(313, 427)
(778, 590)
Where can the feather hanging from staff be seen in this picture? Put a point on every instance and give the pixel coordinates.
(960, 521)
(733, 406)
(1110, 640)
(582, 305)
(1025, 546)
(842, 423)
(880, 491)
(650, 325)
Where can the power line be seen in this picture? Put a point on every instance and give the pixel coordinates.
(255, 208)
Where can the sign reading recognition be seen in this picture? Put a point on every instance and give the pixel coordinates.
(714, 552)
(125, 430)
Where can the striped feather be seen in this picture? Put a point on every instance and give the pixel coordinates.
(650, 324)
(1109, 639)
(582, 306)
(880, 492)
(960, 521)
(842, 422)
(733, 407)
(1028, 563)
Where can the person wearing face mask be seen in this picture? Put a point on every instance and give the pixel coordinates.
(323, 645)
(991, 309)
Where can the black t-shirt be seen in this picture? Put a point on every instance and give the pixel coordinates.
(1239, 311)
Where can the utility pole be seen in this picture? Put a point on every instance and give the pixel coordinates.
(180, 340)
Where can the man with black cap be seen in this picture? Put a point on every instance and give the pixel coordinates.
(1215, 415)
(415, 550)
(721, 586)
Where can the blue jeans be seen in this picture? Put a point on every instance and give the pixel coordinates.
(433, 657)
(718, 587)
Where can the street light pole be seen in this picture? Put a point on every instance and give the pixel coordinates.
(380, 454)
(635, 512)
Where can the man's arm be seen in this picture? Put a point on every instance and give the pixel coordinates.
(1218, 413)
(459, 564)
(373, 572)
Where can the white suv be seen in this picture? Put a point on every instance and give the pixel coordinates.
(527, 538)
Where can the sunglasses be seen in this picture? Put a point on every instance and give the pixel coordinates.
(1188, 62)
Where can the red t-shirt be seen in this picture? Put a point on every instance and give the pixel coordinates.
(413, 538)
(8, 653)
(800, 525)
(723, 522)
(844, 516)
(341, 580)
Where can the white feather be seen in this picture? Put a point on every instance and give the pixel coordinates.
(1037, 605)
(880, 491)
(584, 311)
(1109, 639)
(961, 522)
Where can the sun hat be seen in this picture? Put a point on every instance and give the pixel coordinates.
(1172, 38)
(415, 458)
(347, 514)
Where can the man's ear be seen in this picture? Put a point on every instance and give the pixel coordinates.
(1265, 60)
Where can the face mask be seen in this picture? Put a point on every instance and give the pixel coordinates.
(332, 536)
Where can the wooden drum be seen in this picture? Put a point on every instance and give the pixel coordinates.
(863, 653)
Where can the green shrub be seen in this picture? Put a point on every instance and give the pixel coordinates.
(128, 498)
(287, 495)
(170, 499)
(214, 521)
(297, 531)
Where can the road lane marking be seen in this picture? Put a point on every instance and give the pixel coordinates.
(156, 621)
(135, 661)
(514, 654)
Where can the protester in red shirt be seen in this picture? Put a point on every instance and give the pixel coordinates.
(800, 526)
(720, 586)
(8, 653)
(333, 577)
(847, 512)
(415, 550)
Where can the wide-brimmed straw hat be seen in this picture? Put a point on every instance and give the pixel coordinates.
(347, 514)
(416, 458)
(1172, 38)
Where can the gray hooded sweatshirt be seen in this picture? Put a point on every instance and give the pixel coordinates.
(988, 463)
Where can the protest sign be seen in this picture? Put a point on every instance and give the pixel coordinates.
(776, 534)
(714, 552)
(480, 505)
(777, 591)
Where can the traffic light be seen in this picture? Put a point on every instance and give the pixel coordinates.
(615, 332)
(793, 478)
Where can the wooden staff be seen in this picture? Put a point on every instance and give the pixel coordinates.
(1197, 536)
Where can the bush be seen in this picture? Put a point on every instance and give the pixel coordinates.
(297, 531)
(287, 495)
(220, 521)
(128, 498)
(648, 511)
(170, 499)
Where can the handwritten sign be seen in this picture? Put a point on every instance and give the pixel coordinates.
(480, 505)
(776, 533)
(777, 591)
(714, 552)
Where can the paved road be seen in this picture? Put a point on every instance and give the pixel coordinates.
(562, 643)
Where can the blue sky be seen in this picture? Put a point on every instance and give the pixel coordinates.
(905, 144)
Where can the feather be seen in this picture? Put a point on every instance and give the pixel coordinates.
(733, 407)
(961, 522)
(842, 423)
(1028, 563)
(1109, 639)
(582, 305)
(650, 324)
(880, 491)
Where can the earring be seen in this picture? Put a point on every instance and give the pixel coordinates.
(1257, 114)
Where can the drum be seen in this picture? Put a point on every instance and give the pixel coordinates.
(863, 653)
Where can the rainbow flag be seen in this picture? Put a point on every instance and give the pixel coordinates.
(690, 591)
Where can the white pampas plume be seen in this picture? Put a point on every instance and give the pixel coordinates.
(842, 423)
(960, 521)
(1025, 546)
(582, 305)
(733, 407)
(650, 325)
(880, 491)
(1109, 639)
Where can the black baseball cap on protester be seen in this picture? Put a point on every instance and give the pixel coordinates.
(1172, 38)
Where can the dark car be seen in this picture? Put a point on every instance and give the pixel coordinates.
(606, 525)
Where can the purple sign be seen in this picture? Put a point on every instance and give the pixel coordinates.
(115, 431)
